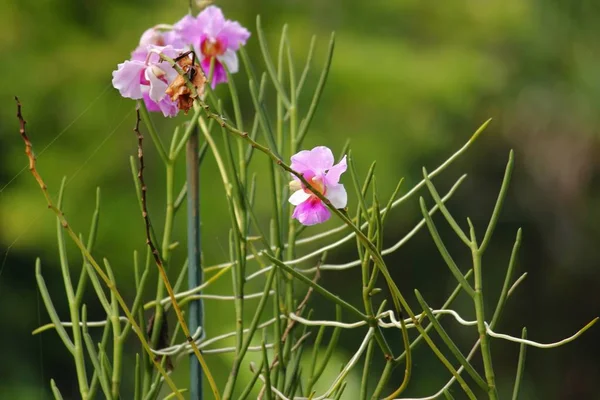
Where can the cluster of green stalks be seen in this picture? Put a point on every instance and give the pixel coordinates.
(275, 323)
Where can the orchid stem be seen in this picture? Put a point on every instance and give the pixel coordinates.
(480, 313)
(194, 270)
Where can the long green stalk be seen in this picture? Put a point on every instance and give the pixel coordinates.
(195, 314)
(73, 305)
(480, 314)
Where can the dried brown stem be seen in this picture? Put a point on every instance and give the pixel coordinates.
(159, 262)
(86, 253)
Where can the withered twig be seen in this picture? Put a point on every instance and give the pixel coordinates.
(82, 247)
(159, 262)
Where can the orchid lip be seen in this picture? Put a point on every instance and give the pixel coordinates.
(157, 71)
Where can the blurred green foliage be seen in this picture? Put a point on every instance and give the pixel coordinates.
(410, 81)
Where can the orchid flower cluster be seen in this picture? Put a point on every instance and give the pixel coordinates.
(212, 38)
(268, 359)
(215, 39)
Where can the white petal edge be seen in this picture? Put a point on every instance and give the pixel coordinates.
(229, 58)
(157, 87)
(299, 197)
(337, 195)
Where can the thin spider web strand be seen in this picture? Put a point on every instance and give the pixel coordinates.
(57, 136)
(33, 221)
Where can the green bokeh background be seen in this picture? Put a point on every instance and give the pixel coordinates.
(410, 81)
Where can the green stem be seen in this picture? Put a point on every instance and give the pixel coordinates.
(480, 314)
(499, 202)
(324, 292)
(159, 312)
(364, 383)
(99, 372)
(194, 269)
(117, 340)
(384, 378)
(73, 305)
(520, 366)
(448, 341)
(228, 392)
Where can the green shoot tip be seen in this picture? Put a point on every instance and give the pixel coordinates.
(478, 131)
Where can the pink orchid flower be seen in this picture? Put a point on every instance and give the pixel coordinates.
(214, 37)
(162, 35)
(148, 80)
(316, 166)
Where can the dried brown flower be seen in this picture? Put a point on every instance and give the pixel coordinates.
(178, 90)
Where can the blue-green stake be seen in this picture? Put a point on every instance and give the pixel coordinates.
(194, 270)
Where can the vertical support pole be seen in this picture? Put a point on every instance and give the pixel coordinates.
(195, 313)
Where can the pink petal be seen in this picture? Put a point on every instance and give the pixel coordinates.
(168, 51)
(157, 86)
(186, 21)
(151, 105)
(211, 21)
(126, 79)
(219, 75)
(173, 38)
(298, 197)
(140, 53)
(167, 106)
(152, 36)
(315, 161)
(234, 35)
(333, 175)
(189, 30)
(337, 195)
(311, 212)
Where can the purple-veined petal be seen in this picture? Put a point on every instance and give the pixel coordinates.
(317, 160)
(333, 175)
(311, 212)
(126, 79)
(337, 195)
(298, 197)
